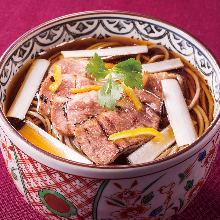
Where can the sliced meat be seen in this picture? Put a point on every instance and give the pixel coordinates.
(45, 104)
(117, 121)
(68, 82)
(152, 82)
(73, 76)
(92, 135)
(92, 125)
(45, 97)
(94, 143)
(59, 114)
(150, 99)
(83, 81)
(78, 108)
(81, 116)
(82, 107)
(146, 97)
(75, 66)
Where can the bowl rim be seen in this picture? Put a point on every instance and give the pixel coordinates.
(94, 166)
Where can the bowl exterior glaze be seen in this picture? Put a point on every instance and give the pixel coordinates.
(59, 189)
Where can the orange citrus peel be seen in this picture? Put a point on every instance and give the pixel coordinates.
(131, 94)
(134, 133)
(57, 75)
(109, 65)
(35, 138)
(85, 89)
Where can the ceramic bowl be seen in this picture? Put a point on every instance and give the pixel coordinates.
(58, 188)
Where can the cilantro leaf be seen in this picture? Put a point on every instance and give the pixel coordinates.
(130, 72)
(96, 67)
(110, 93)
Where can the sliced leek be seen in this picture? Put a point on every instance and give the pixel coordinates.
(47, 142)
(28, 89)
(152, 149)
(162, 66)
(116, 51)
(178, 113)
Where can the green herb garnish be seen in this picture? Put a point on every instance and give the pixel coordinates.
(128, 71)
(96, 67)
(110, 93)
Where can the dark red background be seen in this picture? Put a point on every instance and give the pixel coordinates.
(200, 18)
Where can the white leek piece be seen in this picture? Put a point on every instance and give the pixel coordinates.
(152, 149)
(178, 113)
(28, 89)
(161, 66)
(116, 51)
(56, 145)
